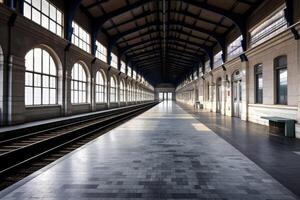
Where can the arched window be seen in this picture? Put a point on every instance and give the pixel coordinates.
(78, 84)
(129, 92)
(122, 91)
(40, 78)
(100, 88)
(113, 90)
(138, 94)
(281, 79)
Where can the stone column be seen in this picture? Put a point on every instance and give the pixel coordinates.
(67, 102)
(224, 93)
(212, 93)
(108, 89)
(245, 89)
(2, 88)
(16, 92)
(118, 91)
(297, 132)
(93, 93)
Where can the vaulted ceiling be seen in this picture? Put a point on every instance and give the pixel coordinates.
(165, 39)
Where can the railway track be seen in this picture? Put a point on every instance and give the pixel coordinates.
(25, 154)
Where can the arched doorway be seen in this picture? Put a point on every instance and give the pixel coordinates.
(237, 93)
(219, 95)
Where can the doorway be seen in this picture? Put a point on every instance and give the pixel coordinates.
(237, 93)
(161, 96)
(219, 95)
(169, 96)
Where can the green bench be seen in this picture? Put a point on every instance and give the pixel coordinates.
(278, 125)
(198, 105)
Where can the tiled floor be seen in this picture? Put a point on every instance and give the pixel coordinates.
(278, 156)
(163, 154)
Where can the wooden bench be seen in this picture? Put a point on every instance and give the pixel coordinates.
(280, 125)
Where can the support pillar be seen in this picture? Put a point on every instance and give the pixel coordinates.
(108, 89)
(224, 93)
(67, 105)
(297, 132)
(245, 89)
(15, 96)
(2, 89)
(211, 93)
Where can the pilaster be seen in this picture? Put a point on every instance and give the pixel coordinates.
(245, 89)
(16, 94)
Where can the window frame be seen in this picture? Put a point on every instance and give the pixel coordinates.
(98, 86)
(40, 11)
(79, 82)
(122, 91)
(277, 68)
(112, 78)
(101, 52)
(79, 41)
(42, 74)
(258, 73)
(268, 28)
(114, 60)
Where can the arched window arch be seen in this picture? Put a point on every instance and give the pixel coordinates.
(113, 89)
(129, 92)
(138, 97)
(134, 92)
(78, 84)
(100, 88)
(281, 79)
(40, 78)
(122, 91)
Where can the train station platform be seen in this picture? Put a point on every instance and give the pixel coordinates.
(165, 153)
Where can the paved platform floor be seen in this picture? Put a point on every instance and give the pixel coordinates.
(278, 156)
(164, 153)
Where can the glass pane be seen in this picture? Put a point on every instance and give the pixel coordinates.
(45, 62)
(37, 96)
(52, 12)
(76, 97)
(29, 61)
(45, 22)
(75, 72)
(52, 96)
(52, 82)
(28, 79)
(282, 86)
(36, 4)
(37, 80)
(45, 81)
(83, 97)
(45, 7)
(36, 16)
(59, 30)
(46, 96)
(37, 60)
(58, 17)
(27, 10)
(75, 85)
(52, 67)
(52, 26)
(28, 96)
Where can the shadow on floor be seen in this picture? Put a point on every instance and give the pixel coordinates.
(278, 156)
